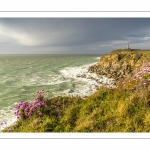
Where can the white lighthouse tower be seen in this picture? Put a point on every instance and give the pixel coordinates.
(128, 46)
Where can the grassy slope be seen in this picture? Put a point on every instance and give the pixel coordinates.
(123, 109)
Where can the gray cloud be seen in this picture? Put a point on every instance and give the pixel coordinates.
(72, 35)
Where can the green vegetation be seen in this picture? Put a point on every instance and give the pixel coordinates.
(131, 50)
(125, 108)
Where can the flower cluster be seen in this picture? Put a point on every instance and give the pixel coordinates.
(144, 72)
(140, 78)
(26, 109)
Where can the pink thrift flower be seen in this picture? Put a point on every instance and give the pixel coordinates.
(29, 114)
(40, 113)
(46, 106)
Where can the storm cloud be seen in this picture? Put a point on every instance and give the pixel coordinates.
(72, 35)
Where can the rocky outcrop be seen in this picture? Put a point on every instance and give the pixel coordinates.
(120, 63)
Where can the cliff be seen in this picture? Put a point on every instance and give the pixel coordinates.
(120, 63)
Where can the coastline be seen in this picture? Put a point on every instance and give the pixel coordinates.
(124, 108)
(92, 81)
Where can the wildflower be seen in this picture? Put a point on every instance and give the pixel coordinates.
(40, 113)
(44, 100)
(28, 108)
(29, 114)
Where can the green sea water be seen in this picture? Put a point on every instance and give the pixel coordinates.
(22, 75)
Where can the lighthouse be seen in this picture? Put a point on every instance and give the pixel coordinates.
(128, 46)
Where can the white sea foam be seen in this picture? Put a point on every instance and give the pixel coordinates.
(98, 57)
(88, 82)
(7, 116)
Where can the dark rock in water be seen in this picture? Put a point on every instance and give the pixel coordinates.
(78, 75)
(81, 76)
(71, 91)
(119, 64)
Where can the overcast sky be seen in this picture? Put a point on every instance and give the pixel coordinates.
(72, 35)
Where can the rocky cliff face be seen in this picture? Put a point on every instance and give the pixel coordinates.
(120, 63)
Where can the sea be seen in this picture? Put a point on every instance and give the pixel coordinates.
(21, 76)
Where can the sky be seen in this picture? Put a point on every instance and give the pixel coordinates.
(72, 35)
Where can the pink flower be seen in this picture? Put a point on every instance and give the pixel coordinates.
(29, 113)
(46, 106)
(40, 113)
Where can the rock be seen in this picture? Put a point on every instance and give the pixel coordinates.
(81, 76)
